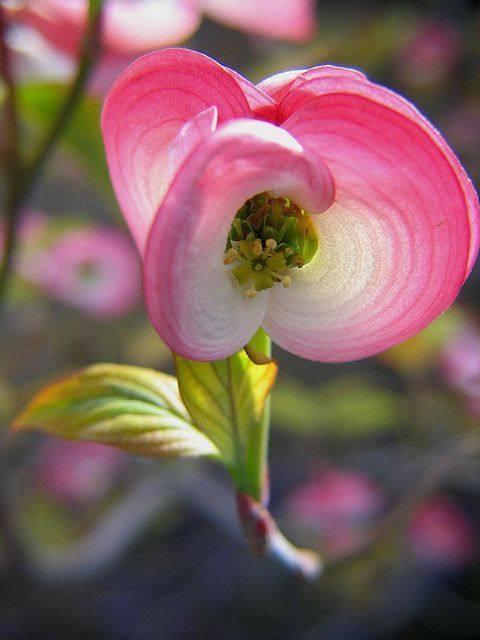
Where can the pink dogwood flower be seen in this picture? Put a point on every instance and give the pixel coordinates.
(318, 205)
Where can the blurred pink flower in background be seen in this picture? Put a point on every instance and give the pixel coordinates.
(95, 270)
(133, 27)
(460, 359)
(336, 495)
(463, 126)
(431, 53)
(337, 504)
(441, 535)
(33, 225)
(77, 472)
(35, 59)
(286, 20)
(459, 364)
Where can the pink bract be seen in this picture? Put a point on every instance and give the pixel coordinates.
(188, 142)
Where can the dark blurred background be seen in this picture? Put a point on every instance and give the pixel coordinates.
(370, 461)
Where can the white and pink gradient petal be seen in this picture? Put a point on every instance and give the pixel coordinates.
(323, 81)
(287, 20)
(145, 111)
(192, 299)
(399, 241)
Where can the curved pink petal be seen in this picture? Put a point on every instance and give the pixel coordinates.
(144, 112)
(129, 27)
(400, 238)
(189, 136)
(287, 20)
(277, 85)
(192, 298)
(280, 84)
(262, 105)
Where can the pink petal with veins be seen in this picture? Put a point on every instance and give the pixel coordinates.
(145, 111)
(401, 236)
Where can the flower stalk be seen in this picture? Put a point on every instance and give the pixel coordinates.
(259, 527)
(259, 350)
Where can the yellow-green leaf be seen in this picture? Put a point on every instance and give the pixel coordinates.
(226, 400)
(136, 409)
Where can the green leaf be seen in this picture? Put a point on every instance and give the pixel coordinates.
(227, 400)
(39, 105)
(345, 408)
(139, 410)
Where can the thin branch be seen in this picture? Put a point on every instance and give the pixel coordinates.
(21, 182)
(88, 55)
(11, 155)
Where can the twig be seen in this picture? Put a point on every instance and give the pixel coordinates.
(266, 539)
(21, 181)
(11, 154)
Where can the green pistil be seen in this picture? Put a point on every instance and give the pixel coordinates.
(269, 237)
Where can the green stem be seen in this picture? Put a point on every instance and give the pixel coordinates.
(257, 453)
(21, 182)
